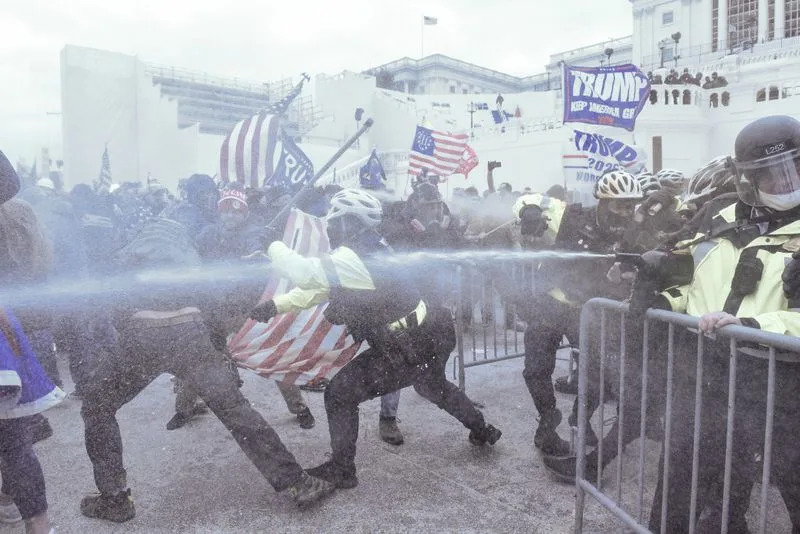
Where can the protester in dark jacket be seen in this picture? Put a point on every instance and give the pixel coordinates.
(9, 181)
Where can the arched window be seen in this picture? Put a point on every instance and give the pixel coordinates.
(653, 96)
(726, 98)
(687, 97)
(761, 95)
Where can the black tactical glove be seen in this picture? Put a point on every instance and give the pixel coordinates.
(791, 281)
(264, 312)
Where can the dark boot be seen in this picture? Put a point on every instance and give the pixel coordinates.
(546, 438)
(564, 469)
(309, 490)
(178, 420)
(390, 433)
(306, 419)
(118, 508)
(338, 476)
(487, 434)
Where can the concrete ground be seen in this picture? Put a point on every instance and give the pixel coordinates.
(197, 480)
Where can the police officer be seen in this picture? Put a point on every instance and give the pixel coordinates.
(738, 267)
(409, 340)
(554, 309)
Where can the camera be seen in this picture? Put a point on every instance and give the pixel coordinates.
(495, 164)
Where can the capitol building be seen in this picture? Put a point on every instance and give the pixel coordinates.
(714, 66)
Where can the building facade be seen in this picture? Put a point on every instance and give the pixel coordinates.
(687, 32)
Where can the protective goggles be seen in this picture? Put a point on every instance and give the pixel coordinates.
(772, 175)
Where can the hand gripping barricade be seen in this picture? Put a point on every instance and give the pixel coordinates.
(745, 346)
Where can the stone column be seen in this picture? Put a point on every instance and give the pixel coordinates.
(780, 19)
(722, 26)
(763, 19)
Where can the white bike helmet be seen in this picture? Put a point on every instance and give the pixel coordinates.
(671, 179)
(618, 185)
(358, 203)
(648, 182)
(711, 180)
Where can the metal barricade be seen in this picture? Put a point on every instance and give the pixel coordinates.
(743, 343)
(489, 328)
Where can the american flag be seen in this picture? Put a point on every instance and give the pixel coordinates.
(438, 152)
(103, 182)
(249, 152)
(295, 344)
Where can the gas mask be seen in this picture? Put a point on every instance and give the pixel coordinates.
(532, 221)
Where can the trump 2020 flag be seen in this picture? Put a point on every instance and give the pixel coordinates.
(371, 175)
(294, 169)
(608, 96)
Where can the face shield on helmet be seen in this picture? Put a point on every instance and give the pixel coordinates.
(772, 181)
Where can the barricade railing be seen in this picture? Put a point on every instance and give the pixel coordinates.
(743, 343)
(490, 327)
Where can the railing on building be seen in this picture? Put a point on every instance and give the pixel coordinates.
(706, 55)
(207, 79)
(688, 95)
(743, 342)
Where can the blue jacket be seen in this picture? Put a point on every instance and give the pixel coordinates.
(25, 389)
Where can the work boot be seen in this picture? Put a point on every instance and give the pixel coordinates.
(338, 476)
(567, 384)
(564, 469)
(546, 438)
(390, 433)
(309, 490)
(178, 420)
(40, 428)
(487, 434)
(118, 508)
(306, 419)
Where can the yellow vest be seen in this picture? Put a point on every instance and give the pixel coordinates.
(715, 262)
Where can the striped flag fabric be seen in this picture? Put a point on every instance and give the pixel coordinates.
(430, 21)
(103, 183)
(295, 344)
(437, 152)
(248, 154)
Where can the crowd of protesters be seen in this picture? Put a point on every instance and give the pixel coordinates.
(714, 81)
(51, 235)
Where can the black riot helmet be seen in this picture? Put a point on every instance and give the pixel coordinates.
(767, 156)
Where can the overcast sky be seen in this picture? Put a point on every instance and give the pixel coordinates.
(267, 40)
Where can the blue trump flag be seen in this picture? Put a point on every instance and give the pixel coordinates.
(294, 169)
(608, 96)
(371, 175)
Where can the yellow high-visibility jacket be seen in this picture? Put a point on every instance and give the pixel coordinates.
(715, 263)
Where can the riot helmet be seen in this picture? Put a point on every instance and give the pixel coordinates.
(766, 163)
